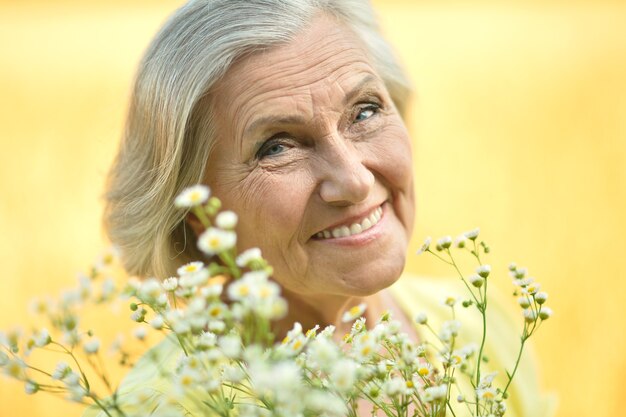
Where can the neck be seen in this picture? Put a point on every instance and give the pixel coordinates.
(325, 310)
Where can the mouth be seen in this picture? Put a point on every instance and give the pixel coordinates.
(352, 228)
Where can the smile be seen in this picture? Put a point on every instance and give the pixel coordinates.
(353, 229)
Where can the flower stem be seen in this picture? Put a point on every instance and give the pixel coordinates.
(517, 361)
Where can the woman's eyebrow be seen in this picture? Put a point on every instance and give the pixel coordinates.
(273, 120)
(296, 119)
(358, 89)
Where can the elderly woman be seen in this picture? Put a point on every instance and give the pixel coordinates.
(291, 111)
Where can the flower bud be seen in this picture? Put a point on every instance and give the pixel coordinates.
(530, 315)
(91, 346)
(524, 302)
(31, 387)
(545, 313)
(541, 297)
(483, 270)
(425, 246)
(472, 234)
(421, 318)
(476, 281)
(445, 242)
(157, 322)
(226, 220)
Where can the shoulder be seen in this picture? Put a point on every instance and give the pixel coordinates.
(418, 294)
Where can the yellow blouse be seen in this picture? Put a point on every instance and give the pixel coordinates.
(414, 295)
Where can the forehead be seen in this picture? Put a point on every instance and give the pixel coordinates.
(317, 67)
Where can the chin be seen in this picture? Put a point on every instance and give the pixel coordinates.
(376, 278)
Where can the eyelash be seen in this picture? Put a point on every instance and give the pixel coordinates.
(275, 140)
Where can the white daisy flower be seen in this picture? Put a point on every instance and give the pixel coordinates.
(460, 242)
(248, 256)
(76, 393)
(150, 290)
(530, 315)
(394, 386)
(432, 394)
(31, 387)
(42, 338)
(15, 368)
(91, 346)
(476, 280)
(226, 220)
(545, 313)
(487, 394)
(483, 270)
(170, 284)
(193, 196)
(230, 345)
(472, 234)
(140, 333)
(195, 279)
(450, 301)
(421, 318)
(157, 322)
(449, 329)
(239, 290)
(354, 313)
(189, 268)
(72, 379)
(207, 340)
(523, 301)
(343, 374)
(487, 379)
(61, 371)
(213, 240)
(444, 242)
(541, 297)
(424, 370)
(424, 246)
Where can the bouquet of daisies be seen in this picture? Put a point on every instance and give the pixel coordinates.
(223, 358)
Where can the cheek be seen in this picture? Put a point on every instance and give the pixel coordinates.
(390, 155)
(270, 208)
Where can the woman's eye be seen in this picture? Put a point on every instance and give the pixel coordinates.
(271, 148)
(366, 112)
(274, 150)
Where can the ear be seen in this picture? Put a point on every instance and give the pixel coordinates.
(195, 223)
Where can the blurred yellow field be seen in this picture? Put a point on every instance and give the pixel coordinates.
(519, 127)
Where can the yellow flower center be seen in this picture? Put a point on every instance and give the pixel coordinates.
(487, 395)
(186, 380)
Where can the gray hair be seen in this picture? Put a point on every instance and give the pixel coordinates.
(169, 135)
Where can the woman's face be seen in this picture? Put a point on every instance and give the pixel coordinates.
(313, 156)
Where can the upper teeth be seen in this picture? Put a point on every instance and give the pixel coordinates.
(354, 228)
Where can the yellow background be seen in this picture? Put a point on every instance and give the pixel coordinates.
(519, 123)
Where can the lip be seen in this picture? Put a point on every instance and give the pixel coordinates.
(364, 237)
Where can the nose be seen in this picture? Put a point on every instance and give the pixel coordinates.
(345, 179)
